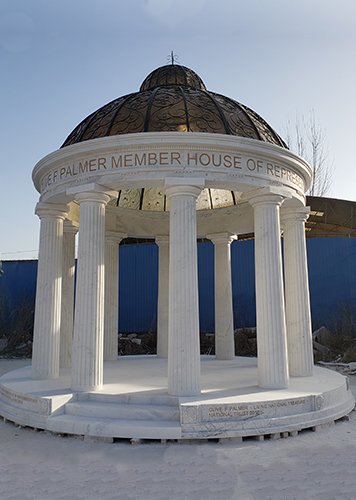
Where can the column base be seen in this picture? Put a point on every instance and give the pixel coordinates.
(36, 375)
(87, 388)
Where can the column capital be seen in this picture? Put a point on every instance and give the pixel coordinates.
(267, 196)
(69, 227)
(222, 238)
(51, 210)
(92, 196)
(299, 214)
(176, 186)
(162, 240)
(92, 192)
(114, 236)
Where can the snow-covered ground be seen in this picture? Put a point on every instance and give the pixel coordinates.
(41, 466)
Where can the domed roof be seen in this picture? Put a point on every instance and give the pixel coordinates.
(172, 74)
(174, 98)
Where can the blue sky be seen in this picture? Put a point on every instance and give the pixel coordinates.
(60, 60)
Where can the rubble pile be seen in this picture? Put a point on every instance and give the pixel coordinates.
(330, 347)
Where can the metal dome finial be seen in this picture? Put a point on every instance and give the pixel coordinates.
(172, 58)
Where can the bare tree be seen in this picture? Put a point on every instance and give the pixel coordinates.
(306, 138)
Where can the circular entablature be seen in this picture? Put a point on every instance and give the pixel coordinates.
(148, 160)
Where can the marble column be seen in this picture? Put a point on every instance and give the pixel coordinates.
(46, 337)
(183, 322)
(270, 311)
(298, 318)
(87, 356)
(67, 312)
(163, 302)
(224, 316)
(111, 322)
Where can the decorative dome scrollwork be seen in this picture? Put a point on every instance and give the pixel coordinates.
(173, 98)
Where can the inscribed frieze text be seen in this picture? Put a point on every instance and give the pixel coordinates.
(246, 165)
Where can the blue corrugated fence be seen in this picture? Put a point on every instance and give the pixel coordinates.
(332, 273)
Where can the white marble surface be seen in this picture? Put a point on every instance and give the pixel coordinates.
(251, 162)
(111, 320)
(163, 298)
(46, 334)
(88, 340)
(298, 316)
(224, 316)
(270, 311)
(183, 318)
(134, 402)
(67, 304)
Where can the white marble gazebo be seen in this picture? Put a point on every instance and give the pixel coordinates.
(174, 162)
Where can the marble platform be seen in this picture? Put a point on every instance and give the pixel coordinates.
(134, 402)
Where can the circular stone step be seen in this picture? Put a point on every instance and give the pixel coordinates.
(142, 409)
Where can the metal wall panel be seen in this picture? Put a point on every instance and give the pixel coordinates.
(206, 286)
(18, 282)
(243, 283)
(138, 285)
(332, 277)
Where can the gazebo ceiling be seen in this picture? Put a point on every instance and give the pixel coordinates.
(153, 199)
(173, 98)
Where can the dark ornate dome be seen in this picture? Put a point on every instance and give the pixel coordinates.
(174, 98)
(172, 74)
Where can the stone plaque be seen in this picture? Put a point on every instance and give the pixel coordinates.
(269, 409)
(254, 410)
